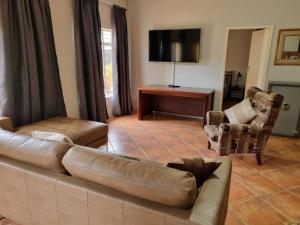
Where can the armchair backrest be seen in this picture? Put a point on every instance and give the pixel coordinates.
(267, 106)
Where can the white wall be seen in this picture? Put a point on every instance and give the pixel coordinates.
(238, 49)
(63, 26)
(214, 17)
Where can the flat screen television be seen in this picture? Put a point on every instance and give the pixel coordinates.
(174, 45)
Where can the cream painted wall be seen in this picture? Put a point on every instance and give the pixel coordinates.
(214, 17)
(63, 27)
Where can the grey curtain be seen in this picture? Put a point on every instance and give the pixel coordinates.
(122, 104)
(89, 61)
(29, 77)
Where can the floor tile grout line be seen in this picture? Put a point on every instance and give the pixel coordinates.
(274, 208)
(168, 148)
(247, 188)
(266, 177)
(278, 210)
(238, 216)
(143, 151)
(257, 195)
(295, 194)
(193, 147)
(162, 145)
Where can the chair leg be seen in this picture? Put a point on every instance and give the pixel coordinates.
(258, 158)
(208, 145)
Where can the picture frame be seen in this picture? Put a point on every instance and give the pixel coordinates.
(288, 47)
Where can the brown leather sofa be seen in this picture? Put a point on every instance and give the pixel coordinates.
(36, 187)
(82, 132)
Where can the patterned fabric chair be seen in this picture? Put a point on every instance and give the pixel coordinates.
(226, 138)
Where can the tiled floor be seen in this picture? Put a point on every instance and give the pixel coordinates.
(260, 195)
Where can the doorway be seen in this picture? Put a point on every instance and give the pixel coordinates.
(246, 62)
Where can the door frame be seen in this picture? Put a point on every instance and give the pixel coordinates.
(267, 60)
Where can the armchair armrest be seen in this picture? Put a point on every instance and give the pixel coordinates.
(215, 117)
(242, 134)
(239, 129)
(6, 124)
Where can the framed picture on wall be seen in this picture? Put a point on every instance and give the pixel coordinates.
(288, 47)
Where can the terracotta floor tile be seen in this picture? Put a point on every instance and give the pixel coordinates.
(259, 184)
(185, 151)
(296, 190)
(294, 169)
(240, 167)
(286, 202)
(255, 211)
(233, 219)
(282, 160)
(239, 192)
(160, 154)
(119, 145)
(282, 178)
(119, 137)
(147, 143)
(250, 160)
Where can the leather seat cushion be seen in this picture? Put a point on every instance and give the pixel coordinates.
(41, 153)
(82, 132)
(142, 179)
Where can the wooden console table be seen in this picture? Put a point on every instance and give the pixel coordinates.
(185, 101)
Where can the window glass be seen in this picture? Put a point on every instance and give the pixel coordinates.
(107, 60)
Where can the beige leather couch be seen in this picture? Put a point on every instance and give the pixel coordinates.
(36, 189)
(82, 132)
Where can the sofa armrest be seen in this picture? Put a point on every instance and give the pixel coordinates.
(215, 117)
(6, 124)
(212, 202)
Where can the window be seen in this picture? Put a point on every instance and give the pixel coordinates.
(107, 60)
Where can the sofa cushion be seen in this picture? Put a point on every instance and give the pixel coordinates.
(141, 179)
(200, 168)
(41, 153)
(82, 132)
(52, 136)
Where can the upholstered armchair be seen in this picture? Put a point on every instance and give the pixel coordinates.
(226, 138)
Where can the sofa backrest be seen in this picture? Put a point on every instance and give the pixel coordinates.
(144, 179)
(41, 153)
(33, 196)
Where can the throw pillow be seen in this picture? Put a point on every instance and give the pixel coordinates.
(52, 136)
(241, 113)
(200, 168)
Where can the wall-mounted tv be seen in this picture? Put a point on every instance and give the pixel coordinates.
(174, 45)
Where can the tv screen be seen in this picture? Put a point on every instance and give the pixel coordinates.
(174, 45)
